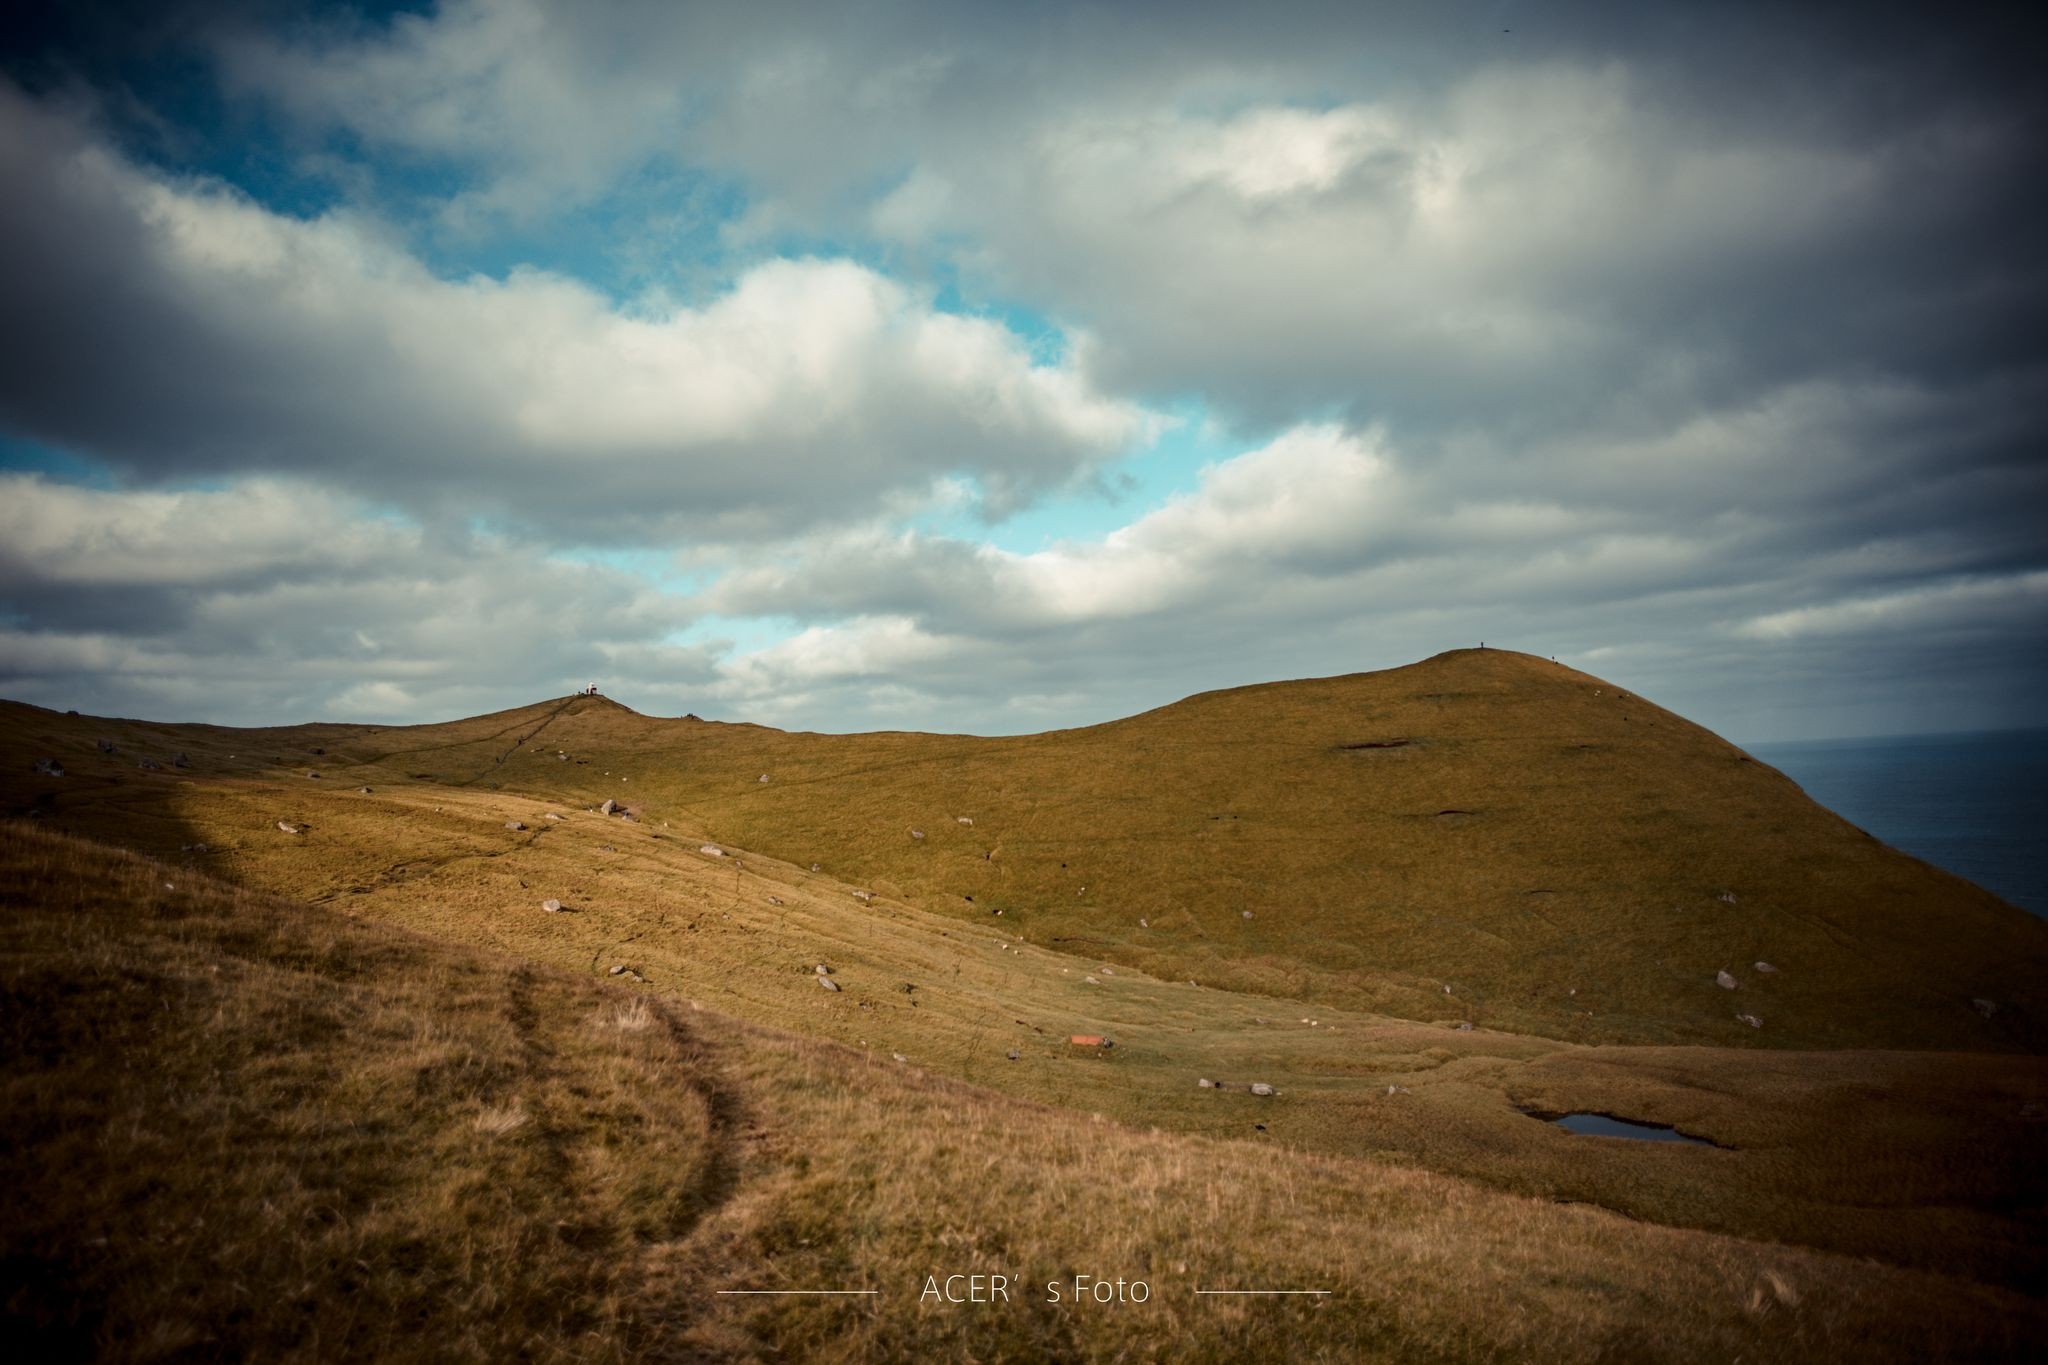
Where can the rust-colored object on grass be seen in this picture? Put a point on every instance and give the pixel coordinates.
(1094, 1040)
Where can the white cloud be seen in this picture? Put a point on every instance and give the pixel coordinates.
(242, 339)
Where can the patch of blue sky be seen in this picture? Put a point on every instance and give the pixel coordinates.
(738, 634)
(1137, 482)
(20, 455)
(658, 568)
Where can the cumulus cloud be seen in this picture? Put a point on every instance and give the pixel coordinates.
(278, 602)
(179, 329)
(1701, 346)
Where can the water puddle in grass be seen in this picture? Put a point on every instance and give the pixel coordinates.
(1601, 1125)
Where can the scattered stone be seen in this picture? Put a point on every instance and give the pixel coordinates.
(608, 807)
(775, 900)
(287, 827)
(822, 970)
(549, 816)
(635, 976)
(1726, 897)
(551, 905)
(515, 825)
(917, 834)
(1013, 1054)
(1247, 914)
(1091, 981)
(712, 850)
(629, 817)
(106, 746)
(149, 765)
(1464, 1026)
(763, 777)
(1399, 1090)
(814, 867)
(1751, 1020)
(1765, 967)
(863, 895)
(1206, 1084)
(1107, 972)
(310, 773)
(899, 1057)
(963, 820)
(181, 762)
(827, 982)
(1142, 924)
(363, 790)
(195, 848)
(1987, 1008)
(1261, 1088)
(618, 969)
(1724, 981)
(49, 767)
(318, 753)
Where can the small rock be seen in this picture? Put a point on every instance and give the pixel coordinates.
(814, 867)
(827, 982)
(712, 850)
(1091, 981)
(917, 834)
(899, 1057)
(363, 790)
(1751, 1020)
(181, 762)
(1399, 1090)
(49, 767)
(1143, 924)
(1464, 1026)
(1206, 1084)
(149, 765)
(618, 969)
(1724, 981)
(287, 827)
(1987, 1008)
(822, 970)
(863, 895)
(549, 816)
(775, 900)
(608, 807)
(515, 825)
(1247, 914)
(310, 773)
(1261, 1088)
(195, 848)
(1013, 1054)
(635, 976)
(762, 778)
(963, 820)
(1726, 898)
(551, 905)
(1764, 967)
(106, 746)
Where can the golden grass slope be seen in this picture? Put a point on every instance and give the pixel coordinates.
(1483, 836)
(1927, 1159)
(240, 1126)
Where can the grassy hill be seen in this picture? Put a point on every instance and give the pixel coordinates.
(241, 1126)
(1484, 836)
(1270, 884)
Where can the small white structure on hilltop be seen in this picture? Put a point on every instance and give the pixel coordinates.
(590, 691)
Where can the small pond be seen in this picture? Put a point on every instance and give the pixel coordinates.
(1601, 1125)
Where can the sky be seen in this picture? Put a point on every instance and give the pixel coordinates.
(995, 368)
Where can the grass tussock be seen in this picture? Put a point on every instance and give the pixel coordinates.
(243, 1127)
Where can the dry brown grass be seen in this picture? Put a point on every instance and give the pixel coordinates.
(241, 1127)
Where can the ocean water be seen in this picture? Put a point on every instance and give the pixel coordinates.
(1975, 804)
